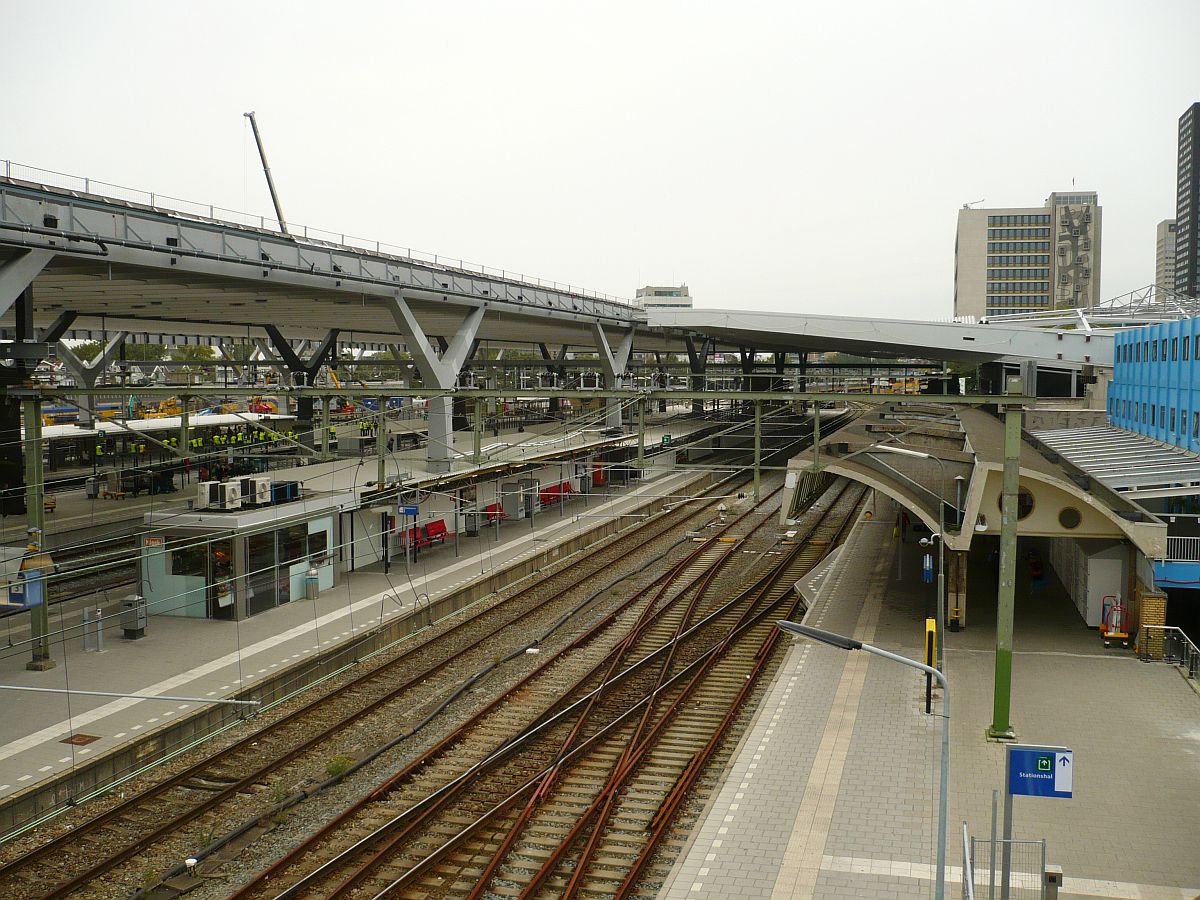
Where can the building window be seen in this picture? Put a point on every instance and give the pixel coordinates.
(1154, 350)
(1162, 416)
(1069, 517)
(1024, 502)
(1174, 349)
(1153, 410)
(1186, 344)
(1196, 425)
(1164, 349)
(1172, 429)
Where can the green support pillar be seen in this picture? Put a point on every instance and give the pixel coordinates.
(641, 430)
(477, 449)
(35, 516)
(1001, 727)
(757, 450)
(381, 444)
(324, 445)
(185, 427)
(816, 436)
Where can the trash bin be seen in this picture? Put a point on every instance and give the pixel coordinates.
(92, 486)
(312, 583)
(133, 617)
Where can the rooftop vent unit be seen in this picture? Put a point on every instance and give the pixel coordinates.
(206, 495)
(229, 495)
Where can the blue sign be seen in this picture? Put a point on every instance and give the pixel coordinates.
(1040, 771)
(413, 511)
(927, 568)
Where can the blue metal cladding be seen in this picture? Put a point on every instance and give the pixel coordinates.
(1156, 383)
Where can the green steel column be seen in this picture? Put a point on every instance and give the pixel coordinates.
(325, 401)
(1001, 727)
(641, 429)
(477, 453)
(185, 426)
(816, 436)
(35, 513)
(757, 450)
(381, 444)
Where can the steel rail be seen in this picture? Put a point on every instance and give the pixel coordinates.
(447, 792)
(380, 854)
(148, 838)
(660, 823)
(636, 748)
(759, 618)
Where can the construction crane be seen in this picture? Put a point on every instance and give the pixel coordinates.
(973, 203)
(262, 154)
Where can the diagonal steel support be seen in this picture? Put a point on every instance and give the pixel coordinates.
(18, 273)
(60, 326)
(613, 365)
(440, 371)
(87, 373)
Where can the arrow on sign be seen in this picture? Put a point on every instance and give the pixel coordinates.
(1062, 773)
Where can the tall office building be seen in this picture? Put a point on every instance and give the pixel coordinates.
(1187, 205)
(1028, 259)
(1164, 254)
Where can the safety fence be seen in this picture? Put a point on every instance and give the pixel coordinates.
(80, 184)
(1166, 643)
(1183, 549)
(1013, 870)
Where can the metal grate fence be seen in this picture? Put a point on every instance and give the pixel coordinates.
(1023, 861)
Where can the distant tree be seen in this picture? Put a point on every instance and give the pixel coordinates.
(201, 354)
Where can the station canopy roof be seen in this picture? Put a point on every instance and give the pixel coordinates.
(1130, 464)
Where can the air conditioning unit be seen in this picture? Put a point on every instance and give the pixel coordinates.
(256, 490)
(229, 494)
(1074, 232)
(206, 495)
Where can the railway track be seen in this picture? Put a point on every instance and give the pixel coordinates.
(577, 800)
(164, 810)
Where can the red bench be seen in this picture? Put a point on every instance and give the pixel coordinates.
(555, 493)
(436, 531)
(495, 511)
(415, 537)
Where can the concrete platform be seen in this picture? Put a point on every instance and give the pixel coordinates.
(833, 790)
(205, 658)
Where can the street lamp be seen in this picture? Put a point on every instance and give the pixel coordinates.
(847, 643)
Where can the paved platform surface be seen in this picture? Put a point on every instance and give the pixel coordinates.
(833, 791)
(206, 658)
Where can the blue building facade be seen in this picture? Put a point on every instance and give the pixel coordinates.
(1155, 389)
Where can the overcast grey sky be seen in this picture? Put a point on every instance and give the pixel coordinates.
(784, 156)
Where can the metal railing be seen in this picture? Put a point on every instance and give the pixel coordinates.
(106, 190)
(1026, 868)
(1166, 643)
(1183, 549)
(968, 866)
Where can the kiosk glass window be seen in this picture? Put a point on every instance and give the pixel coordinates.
(260, 576)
